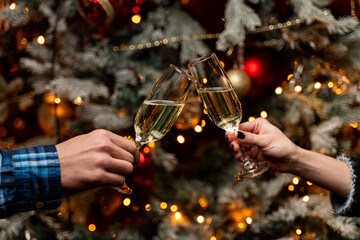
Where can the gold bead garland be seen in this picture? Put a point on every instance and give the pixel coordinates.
(132, 47)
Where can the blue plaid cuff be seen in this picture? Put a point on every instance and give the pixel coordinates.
(29, 179)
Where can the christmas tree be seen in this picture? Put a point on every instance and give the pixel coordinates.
(72, 66)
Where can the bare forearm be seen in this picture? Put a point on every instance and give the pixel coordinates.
(324, 171)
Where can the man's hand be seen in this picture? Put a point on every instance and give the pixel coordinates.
(99, 158)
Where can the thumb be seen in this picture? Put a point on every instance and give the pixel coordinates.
(250, 138)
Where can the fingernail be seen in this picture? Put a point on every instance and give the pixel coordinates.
(232, 146)
(227, 138)
(240, 135)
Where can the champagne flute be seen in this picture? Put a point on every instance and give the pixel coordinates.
(222, 105)
(160, 109)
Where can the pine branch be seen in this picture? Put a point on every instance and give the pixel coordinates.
(239, 18)
(163, 159)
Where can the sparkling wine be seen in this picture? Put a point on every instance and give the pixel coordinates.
(155, 118)
(222, 106)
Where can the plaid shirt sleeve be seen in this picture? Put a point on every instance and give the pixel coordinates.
(29, 180)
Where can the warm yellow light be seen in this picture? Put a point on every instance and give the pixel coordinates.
(198, 128)
(136, 18)
(317, 85)
(180, 139)
(151, 144)
(126, 201)
(241, 225)
(200, 219)
(213, 238)
(26, 10)
(298, 88)
(204, 110)
(296, 180)
(41, 39)
(298, 231)
(330, 84)
(353, 125)
(309, 183)
(204, 80)
(146, 149)
(338, 91)
(203, 202)
(92, 227)
(251, 119)
(222, 63)
(177, 215)
(163, 205)
(148, 207)
(23, 41)
(203, 123)
(306, 198)
(278, 90)
(78, 100)
(174, 208)
(248, 220)
(12, 6)
(263, 114)
(57, 100)
(291, 188)
(290, 76)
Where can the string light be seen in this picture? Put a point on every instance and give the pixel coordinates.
(148, 207)
(200, 219)
(151, 144)
(146, 149)
(296, 180)
(163, 205)
(126, 201)
(298, 88)
(57, 100)
(278, 90)
(157, 43)
(41, 39)
(291, 188)
(203, 123)
(12, 6)
(180, 139)
(92, 227)
(213, 238)
(298, 231)
(290, 76)
(317, 85)
(136, 19)
(309, 183)
(241, 225)
(306, 198)
(330, 84)
(177, 215)
(203, 202)
(174, 208)
(198, 128)
(248, 220)
(78, 101)
(251, 119)
(263, 114)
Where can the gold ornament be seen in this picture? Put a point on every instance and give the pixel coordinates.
(240, 81)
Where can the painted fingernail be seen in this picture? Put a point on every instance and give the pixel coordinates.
(240, 135)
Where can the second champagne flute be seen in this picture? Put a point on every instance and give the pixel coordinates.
(222, 105)
(160, 109)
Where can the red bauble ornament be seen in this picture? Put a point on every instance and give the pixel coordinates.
(98, 12)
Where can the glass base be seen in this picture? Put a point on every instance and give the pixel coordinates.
(251, 172)
(124, 189)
